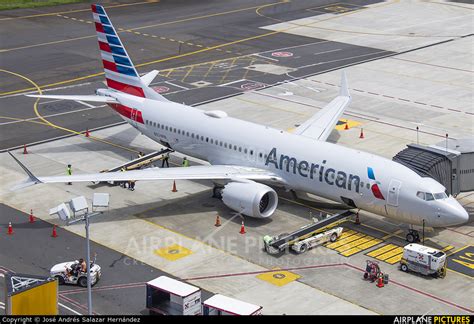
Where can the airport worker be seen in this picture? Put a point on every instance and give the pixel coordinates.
(83, 265)
(69, 172)
(140, 154)
(123, 184)
(166, 157)
(131, 185)
(185, 162)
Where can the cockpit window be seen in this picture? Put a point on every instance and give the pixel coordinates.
(441, 195)
(425, 196)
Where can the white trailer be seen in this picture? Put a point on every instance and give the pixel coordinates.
(423, 259)
(223, 305)
(166, 296)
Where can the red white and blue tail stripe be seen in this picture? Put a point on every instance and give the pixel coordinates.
(120, 73)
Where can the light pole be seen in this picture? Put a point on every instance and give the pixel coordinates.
(78, 205)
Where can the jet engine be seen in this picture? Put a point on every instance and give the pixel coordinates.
(250, 198)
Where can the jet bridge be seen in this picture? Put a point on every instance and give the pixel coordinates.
(451, 165)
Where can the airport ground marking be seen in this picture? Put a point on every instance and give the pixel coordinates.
(73, 11)
(50, 124)
(278, 277)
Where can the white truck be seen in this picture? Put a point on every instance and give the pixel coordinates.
(424, 260)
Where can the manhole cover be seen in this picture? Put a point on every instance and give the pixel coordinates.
(173, 251)
(279, 276)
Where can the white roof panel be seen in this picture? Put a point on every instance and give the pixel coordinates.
(231, 305)
(172, 286)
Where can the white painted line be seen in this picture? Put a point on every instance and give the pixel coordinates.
(85, 103)
(47, 102)
(229, 83)
(46, 90)
(264, 57)
(69, 309)
(330, 51)
(176, 85)
(52, 115)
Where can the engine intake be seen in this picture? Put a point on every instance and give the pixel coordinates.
(250, 198)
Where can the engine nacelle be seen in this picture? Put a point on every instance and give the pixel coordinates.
(250, 198)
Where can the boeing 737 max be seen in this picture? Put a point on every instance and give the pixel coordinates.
(246, 158)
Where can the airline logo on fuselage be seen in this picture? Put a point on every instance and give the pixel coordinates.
(305, 169)
(373, 184)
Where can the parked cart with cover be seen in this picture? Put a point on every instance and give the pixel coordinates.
(424, 260)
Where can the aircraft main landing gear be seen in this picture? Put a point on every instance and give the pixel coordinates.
(217, 192)
(413, 236)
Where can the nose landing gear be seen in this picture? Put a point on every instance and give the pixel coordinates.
(413, 236)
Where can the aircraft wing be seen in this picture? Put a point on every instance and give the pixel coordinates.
(212, 172)
(90, 98)
(320, 126)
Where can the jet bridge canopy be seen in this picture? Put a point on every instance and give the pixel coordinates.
(452, 166)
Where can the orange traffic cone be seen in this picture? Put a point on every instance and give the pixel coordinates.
(361, 133)
(380, 281)
(242, 228)
(347, 126)
(10, 228)
(87, 132)
(357, 220)
(54, 234)
(25, 151)
(32, 218)
(218, 221)
(174, 187)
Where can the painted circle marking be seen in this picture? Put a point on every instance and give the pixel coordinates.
(252, 86)
(282, 54)
(161, 89)
(279, 276)
(173, 251)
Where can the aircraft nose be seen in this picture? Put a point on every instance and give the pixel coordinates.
(457, 214)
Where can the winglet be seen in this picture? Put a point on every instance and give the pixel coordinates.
(344, 91)
(32, 179)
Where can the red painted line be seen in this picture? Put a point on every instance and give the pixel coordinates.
(388, 96)
(470, 113)
(454, 110)
(358, 90)
(338, 265)
(77, 304)
(437, 106)
(265, 271)
(420, 103)
(404, 99)
(330, 84)
(373, 93)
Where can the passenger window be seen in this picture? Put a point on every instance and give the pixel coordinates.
(207, 139)
(235, 147)
(240, 149)
(225, 145)
(245, 151)
(192, 135)
(251, 152)
(187, 134)
(368, 185)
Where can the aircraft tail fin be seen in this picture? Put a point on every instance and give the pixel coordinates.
(120, 73)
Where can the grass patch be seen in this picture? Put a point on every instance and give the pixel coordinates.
(21, 4)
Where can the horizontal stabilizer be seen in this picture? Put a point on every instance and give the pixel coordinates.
(149, 77)
(90, 98)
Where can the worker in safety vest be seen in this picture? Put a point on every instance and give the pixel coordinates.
(69, 172)
(123, 184)
(166, 157)
(185, 162)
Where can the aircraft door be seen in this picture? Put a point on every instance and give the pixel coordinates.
(393, 192)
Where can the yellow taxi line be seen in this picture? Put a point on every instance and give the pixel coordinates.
(353, 244)
(346, 240)
(381, 250)
(394, 259)
(390, 254)
(361, 247)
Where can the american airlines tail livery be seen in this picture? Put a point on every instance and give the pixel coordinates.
(246, 158)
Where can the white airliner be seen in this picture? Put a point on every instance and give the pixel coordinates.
(245, 157)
